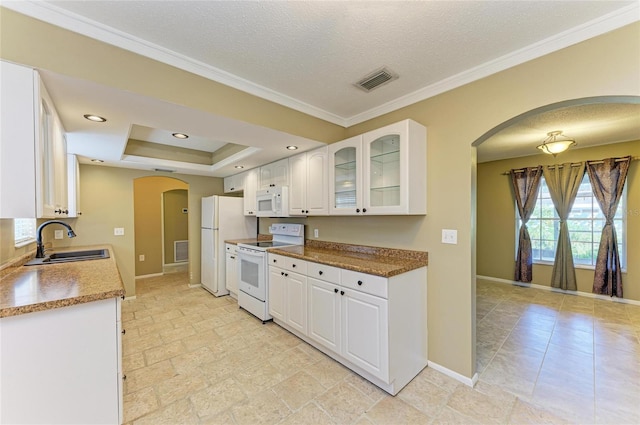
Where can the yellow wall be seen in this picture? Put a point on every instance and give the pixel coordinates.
(107, 195)
(176, 222)
(147, 206)
(606, 65)
(497, 216)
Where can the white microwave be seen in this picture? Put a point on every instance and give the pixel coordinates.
(273, 202)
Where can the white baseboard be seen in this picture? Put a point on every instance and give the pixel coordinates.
(132, 297)
(471, 382)
(195, 285)
(561, 291)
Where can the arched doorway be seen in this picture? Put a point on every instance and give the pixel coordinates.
(151, 222)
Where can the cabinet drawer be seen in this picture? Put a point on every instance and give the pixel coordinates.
(288, 263)
(324, 272)
(231, 248)
(370, 284)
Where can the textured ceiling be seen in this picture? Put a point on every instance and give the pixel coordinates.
(308, 54)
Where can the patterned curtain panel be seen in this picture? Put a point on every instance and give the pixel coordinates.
(525, 188)
(563, 182)
(607, 181)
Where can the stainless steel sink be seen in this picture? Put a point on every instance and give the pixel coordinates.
(70, 256)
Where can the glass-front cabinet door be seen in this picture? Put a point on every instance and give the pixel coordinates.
(395, 169)
(345, 177)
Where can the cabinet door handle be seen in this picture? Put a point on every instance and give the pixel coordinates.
(286, 274)
(320, 272)
(359, 283)
(281, 273)
(294, 266)
(335, 290)
(275, 261)
(232, 257)
(364, 210)
(124, 377)
(233, 188)
(341, 292)
(357, 210)
(124, 331)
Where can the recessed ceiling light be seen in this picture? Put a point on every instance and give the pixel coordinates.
(180, 135)
(98, 161)
(292, 148)
(94, 118)
(239, 167)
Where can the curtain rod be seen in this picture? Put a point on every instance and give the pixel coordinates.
(633, 158)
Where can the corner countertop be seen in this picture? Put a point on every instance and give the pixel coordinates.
(27, 289)
(385, 262)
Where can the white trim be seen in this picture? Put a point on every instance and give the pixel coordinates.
(195, 285)
(133, 297)
(79, 24)
(470, 382)
(57, 16)
(561, 291)
(149, 275)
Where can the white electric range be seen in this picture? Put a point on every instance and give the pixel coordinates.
(253, 282)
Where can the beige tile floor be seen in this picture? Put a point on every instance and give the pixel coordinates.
(191, 358)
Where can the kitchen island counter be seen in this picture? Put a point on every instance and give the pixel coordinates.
(27, 289)
(385, 262)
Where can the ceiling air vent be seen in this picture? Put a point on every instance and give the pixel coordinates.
(376, 79)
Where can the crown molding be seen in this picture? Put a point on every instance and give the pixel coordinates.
(81, 25)
(606, 23)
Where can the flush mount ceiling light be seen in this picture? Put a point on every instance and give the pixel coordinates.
(292, 148)
(94, 118)
(97, 161)
(556, 143)
(180, 135)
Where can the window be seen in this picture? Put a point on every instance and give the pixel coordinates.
(585, 223)
(24, 230)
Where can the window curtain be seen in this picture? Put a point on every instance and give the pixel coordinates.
(563, 182)
(607, 181)
(525, 188)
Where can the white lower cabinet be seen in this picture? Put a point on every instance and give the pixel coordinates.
(288, 293)
(376, 326)
(365, 331)
(62, 366)
(231, 270)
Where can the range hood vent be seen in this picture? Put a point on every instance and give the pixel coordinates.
(376, 79)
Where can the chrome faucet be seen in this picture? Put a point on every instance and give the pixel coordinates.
(40, 248)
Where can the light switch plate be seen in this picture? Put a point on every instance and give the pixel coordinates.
(450, 236)
(57, 234)
(118, 231)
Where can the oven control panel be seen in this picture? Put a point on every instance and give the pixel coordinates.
(287, 229)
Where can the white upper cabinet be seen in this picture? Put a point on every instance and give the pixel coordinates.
(234, 183)
(274, 174)
(382, 172)
(308, 192)
(345, 177)
(73, 184)
(33, 148)
(250, 187)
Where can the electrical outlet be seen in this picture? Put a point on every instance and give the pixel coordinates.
(57, 234)
(315, 233)
(118, 231)
(450, 236)
(141, 257)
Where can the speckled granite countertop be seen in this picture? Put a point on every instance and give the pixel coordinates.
(258, 238)
(35, 288)
(385, 262)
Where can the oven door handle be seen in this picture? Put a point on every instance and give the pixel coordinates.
(243, 253)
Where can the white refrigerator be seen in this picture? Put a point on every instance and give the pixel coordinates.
(222, 219)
